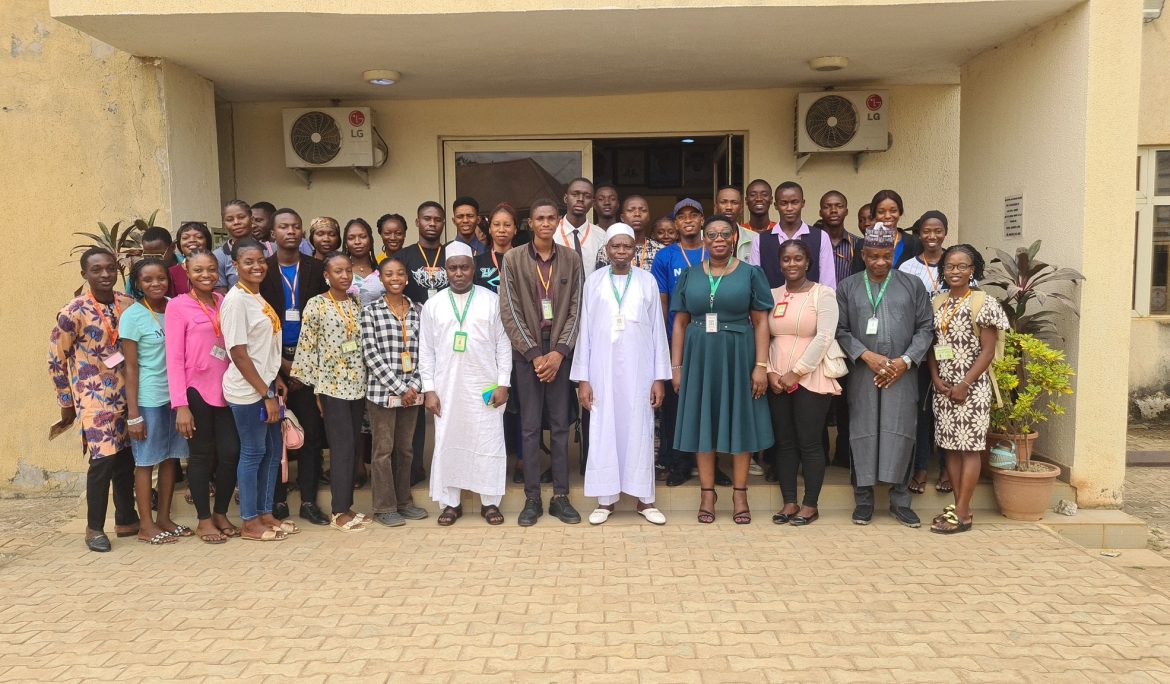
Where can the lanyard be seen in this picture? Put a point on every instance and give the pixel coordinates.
(268, 310)
(545, 282)
(714, 282)
(641, 260)
(350, 328)
(930, 274)
(111, 332)
(944, 323)
(495, 260)
(702, 257)
(430, 266)
(292, 287)
(214, 319)
(466, 305)
(401, 319)
(869, 294)
(619, 298)
(153, 315)
(848, 244)
(588, 227)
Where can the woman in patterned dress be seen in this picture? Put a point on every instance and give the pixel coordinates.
(966, 322)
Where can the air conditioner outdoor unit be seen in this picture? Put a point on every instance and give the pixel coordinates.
(328, 137)
(842, 121)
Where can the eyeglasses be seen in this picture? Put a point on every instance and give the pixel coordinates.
(715, 235)
(955, 268)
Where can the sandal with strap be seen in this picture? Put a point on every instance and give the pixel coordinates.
(950, 524)
(492, 515)
(917, 486)
(355, 524)
(743, 517)
(161, 538)
(944, 486)
(950, 508)
(708, 517)
(450, 514)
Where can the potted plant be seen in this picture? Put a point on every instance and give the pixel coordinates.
(1031, 375)
(123, 243)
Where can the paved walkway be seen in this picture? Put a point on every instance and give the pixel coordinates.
(623, 603)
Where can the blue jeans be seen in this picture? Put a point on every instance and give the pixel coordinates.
(260, 448)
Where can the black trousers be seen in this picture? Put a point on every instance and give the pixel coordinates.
(420, 440)
(839, 409)
(117, 470)
(343, 427)
(669, 457)
(534, 396)
(797, 421)
(215, 440)
(303, 404)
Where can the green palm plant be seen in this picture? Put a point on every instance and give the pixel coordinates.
(1030, 291)
(123, 242)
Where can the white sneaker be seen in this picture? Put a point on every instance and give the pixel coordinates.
(599, 516)
(653, 515)
(755, 469)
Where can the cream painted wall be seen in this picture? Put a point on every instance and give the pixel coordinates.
(922, 164)
(1039, 117)
(1153, 113)
(83, 141)
(192, 149)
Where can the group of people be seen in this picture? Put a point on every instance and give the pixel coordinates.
(711, 335)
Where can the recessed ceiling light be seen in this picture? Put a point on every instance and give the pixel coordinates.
(688, 141)
(830, 63)
(381, 77)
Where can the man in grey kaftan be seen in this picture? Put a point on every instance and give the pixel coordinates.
(884, 329)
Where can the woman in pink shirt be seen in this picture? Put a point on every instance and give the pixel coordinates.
(196, 362)
(802, 324)
(192, 235)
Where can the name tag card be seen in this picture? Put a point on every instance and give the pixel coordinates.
(460, 344)
(218, 352)
(407, 363)
(780, 310)
(432, 292)
(944, 352)
(292, 315)
(546, 309)
(619, 323)
(871, 327)
(712, 322)
(349, 346)
(113, 360)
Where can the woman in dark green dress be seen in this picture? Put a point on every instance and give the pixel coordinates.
(719, 364)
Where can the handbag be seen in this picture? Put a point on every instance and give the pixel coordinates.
(833, 362)
(1003, 455)
(292, 437)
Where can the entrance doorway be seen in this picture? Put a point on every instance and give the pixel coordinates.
(662, 169)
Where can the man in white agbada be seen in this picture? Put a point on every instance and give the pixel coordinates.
(621, 362)
(465, 361)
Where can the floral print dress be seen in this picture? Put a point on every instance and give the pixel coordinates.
(329, 351)
(81, 338)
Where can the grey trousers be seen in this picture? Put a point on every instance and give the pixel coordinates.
(393, 431)
(535, 397)
(899, 496)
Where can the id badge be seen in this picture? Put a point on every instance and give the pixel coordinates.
(349, 346)
(218, 352)
(944, 352)
(460, 344)
(871, 327)
(407, 363)
(113, 360)
(619, 322)
(712, 322)
(780, 310)
(432, 292)
(546, 309)
(292, 315)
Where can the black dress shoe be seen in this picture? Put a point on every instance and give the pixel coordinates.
(533, 509)
(99, 543)
(904, 515)
(518, 476)
(560, 507)
(770, 475)
(678, 476)
(313, 513)
(862, 515)
(546, 477)
(721, 478)
(661, 473)
(280, 510)
(801, 521)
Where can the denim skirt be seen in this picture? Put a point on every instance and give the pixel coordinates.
(162, 439)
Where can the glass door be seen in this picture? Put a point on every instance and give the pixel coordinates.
(517, 172)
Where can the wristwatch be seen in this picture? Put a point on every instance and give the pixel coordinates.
(908, 361)
(270, 394)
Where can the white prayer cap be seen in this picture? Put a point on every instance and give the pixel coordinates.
(456, 248)
(618, 229)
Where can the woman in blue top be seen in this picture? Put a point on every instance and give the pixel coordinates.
(150, 422)
(719, 362)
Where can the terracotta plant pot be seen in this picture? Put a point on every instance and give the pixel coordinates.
(1024, 495)
(1024, 443)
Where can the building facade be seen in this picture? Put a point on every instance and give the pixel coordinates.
(117, 108)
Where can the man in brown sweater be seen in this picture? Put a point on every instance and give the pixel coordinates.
(540, 299)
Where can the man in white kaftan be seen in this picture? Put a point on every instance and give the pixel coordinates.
(621, 362)
(465, 360)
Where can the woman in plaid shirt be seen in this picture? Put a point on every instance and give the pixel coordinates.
(389, 335)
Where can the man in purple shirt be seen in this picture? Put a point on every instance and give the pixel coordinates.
(766, 250)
